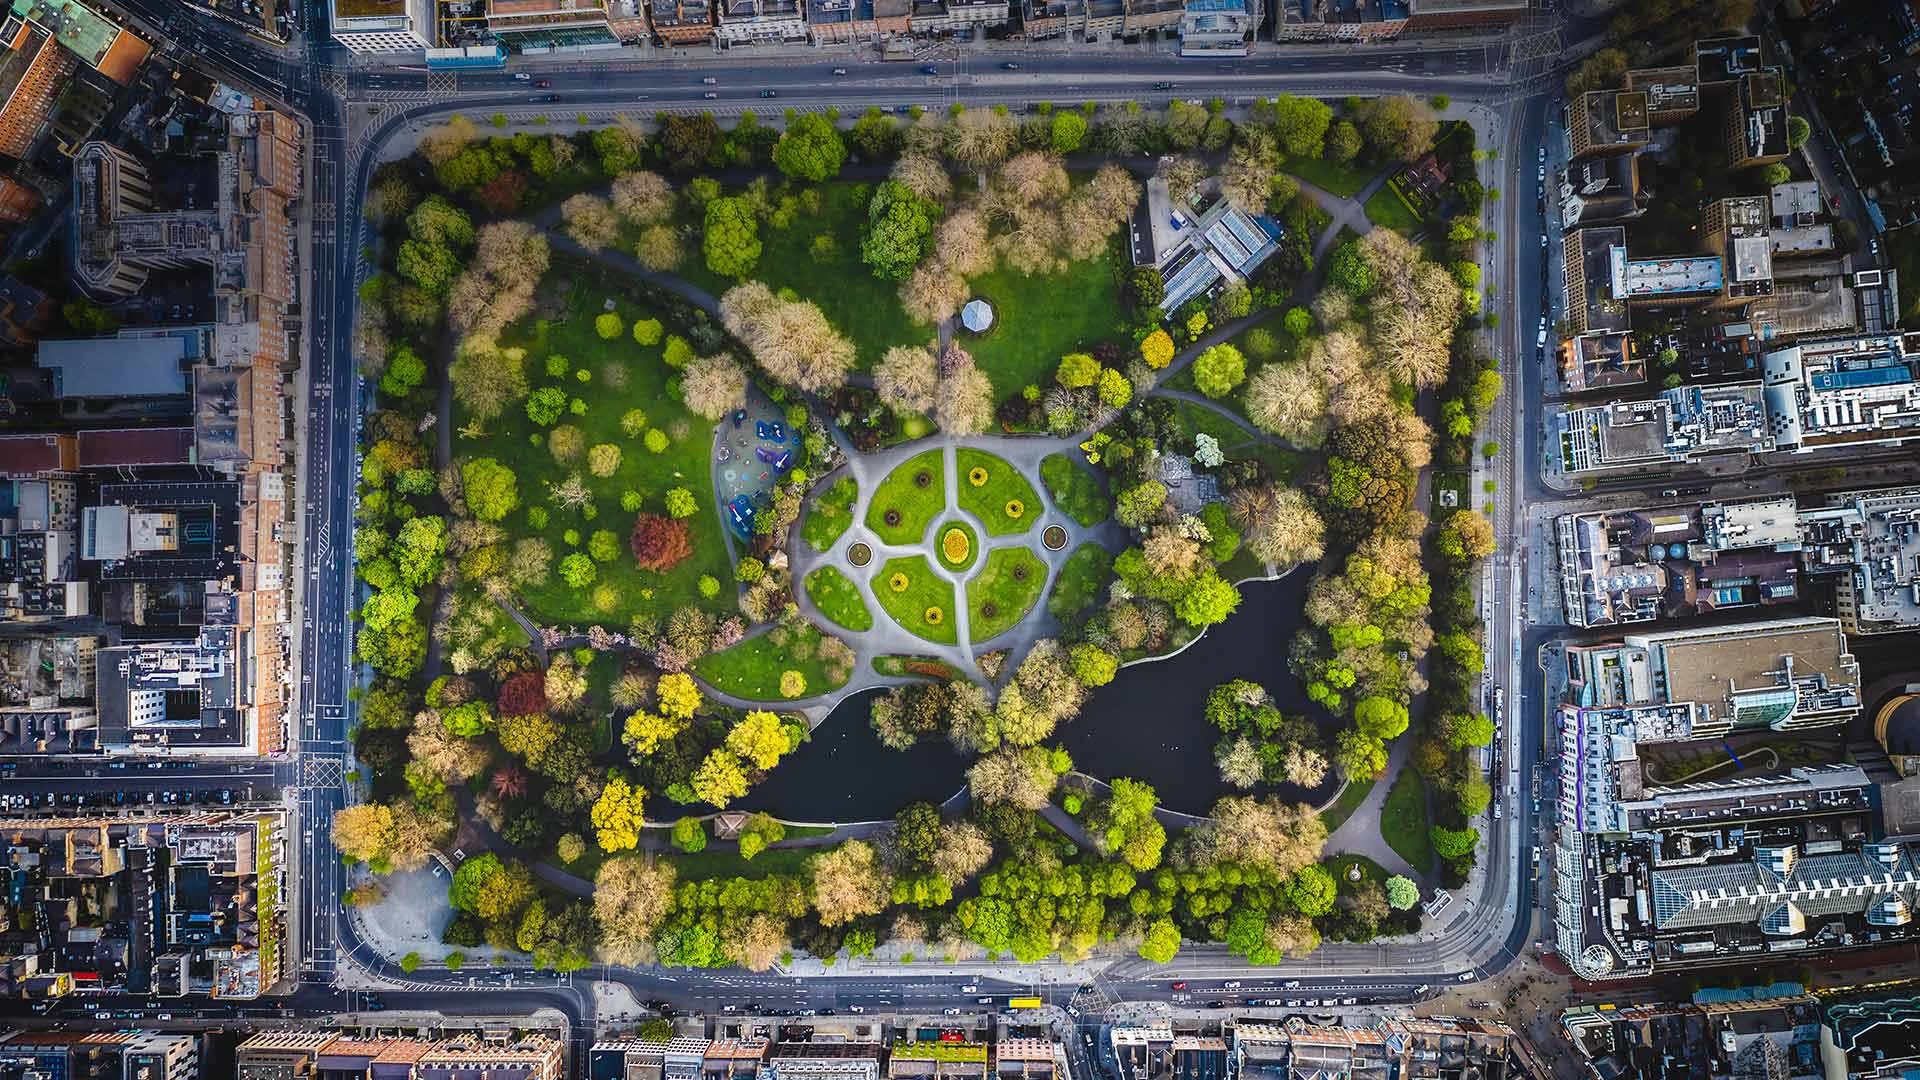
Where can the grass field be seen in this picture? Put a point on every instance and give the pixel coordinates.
(1343, 180)
(1075, 490)
(1037, 319)
(752, 669)
(992, 500)
(1404, 822)
(1004, 590)
(861, 306)
(915, 503)
(1388, 209)
(715, 863)
(1081, 581)
(924, 592)
(622, 590)
(838, 598)
(829, 513)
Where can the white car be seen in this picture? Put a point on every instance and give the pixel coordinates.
(1466, 976)
(950, 1012)
(970, 988)
(1234, 985)
(521, 76)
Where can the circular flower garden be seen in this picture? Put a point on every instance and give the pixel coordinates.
(999, 580)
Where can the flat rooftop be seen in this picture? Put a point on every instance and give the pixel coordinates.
(1638, 279)
(1668, 89)
(1750, 657)
(1616, 116)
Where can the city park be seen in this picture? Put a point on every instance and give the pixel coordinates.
(713, 467)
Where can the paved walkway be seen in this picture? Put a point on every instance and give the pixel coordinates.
(1360, 833)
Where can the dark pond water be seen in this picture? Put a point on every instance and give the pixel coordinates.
(1146, 724)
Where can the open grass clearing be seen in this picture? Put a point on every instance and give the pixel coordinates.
(621, 590)
(863, 307)
(1389, 209)
(1038, 318)
(992, 490)
(1004, 590)
(908, 500)
(838, 598)
(1332, 176)
(1075, 490)
(716, 862)
(1404, 823)
(922, 602)
(1082, 579)
(754, 668)
(829, 514)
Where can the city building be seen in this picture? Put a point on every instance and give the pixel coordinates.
(1673, 93)
(1144, 16)
(816, 1060)
(497, 1055)
(1028, 1058)
(1683, 425)
(1637, 565)
(940, 1060)
(166, 904)
(1218, 28)
(1719, 1034)
(834, 22)
(681, 22)
(84, 1055)
(46, 42)
(1757, 121)
(1871, 1037)
(1339, 20)
(25, 313)
(1043, 19)
(1850, 391)
(765, 22)
(1198, 239)
(383, 26)
(1608, 122)
(1387, 1049)
(552, 26)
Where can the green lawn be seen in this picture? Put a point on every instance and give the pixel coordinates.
(915, 492)
(1001, 486)
(1036, 319)
(1389, 209)
(1404, 822)
(752, 669)
(923, 592)
(829, 513)
(1342, 180)
(1002, 593)
(1351, 797)
(1198, 420)
(968, 556)
(861, 306)
(622, 589)
(1075, 490)
(1081, 582)
(838, 598)
(716, 863)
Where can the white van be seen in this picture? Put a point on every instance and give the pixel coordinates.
(1542, 343)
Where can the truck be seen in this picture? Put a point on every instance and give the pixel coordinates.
(1024, 1003)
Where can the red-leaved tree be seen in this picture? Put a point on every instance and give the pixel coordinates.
(522, 695)
(510, 782)
(660, 543)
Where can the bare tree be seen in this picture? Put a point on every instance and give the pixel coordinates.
(589, 222)
(965, 405)
(658, 247)
(906, 380)
(934, 291)
(1278, 523)
(1289, 400)
(925, 176)
(642, 198)
(790, 339)
(714, 386)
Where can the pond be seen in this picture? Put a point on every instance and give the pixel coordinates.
(1146, 724)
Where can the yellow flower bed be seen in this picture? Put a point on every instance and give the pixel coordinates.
(898, 583)
(933, 615)
(1016, 509)
(977, 476)
(955, 546)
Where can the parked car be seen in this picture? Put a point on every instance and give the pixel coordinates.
(1010, 66)
(839, 71)
(929, 69)
(543, 84)
(709, 80)
(521, 76)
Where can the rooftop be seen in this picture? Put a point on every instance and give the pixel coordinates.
(1668, 89)
(1718, 60)
(116, 367)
